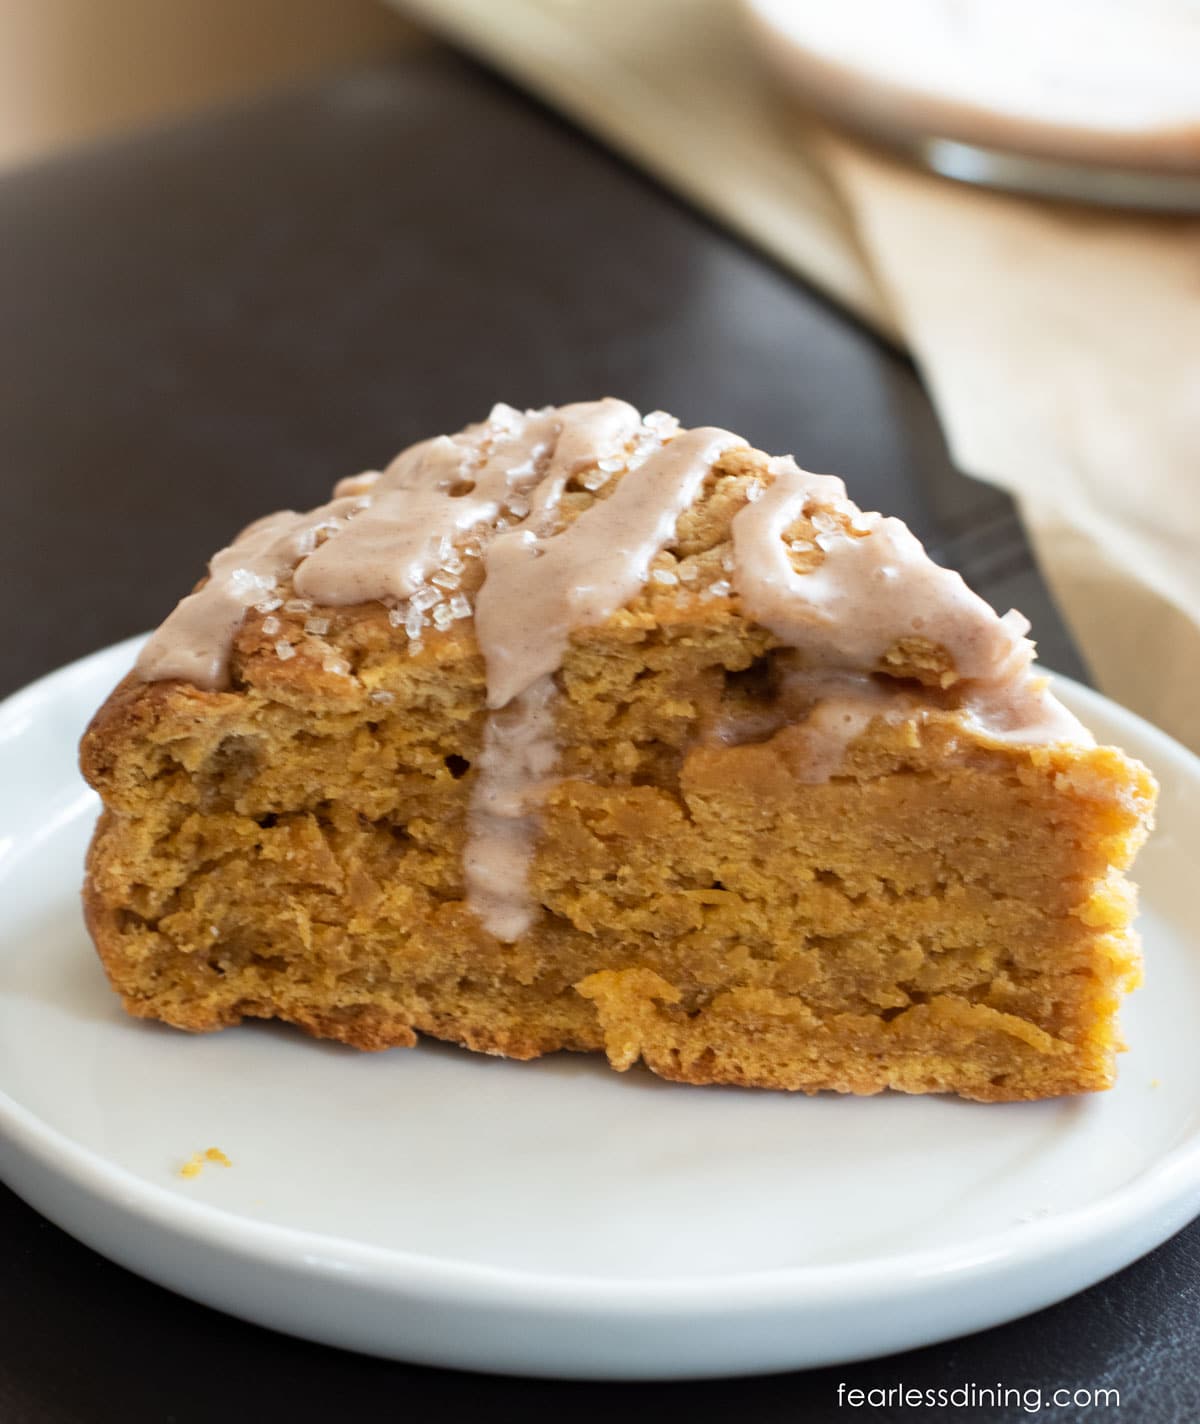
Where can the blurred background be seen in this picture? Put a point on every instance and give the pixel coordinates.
(73, 71)
(1047, 299)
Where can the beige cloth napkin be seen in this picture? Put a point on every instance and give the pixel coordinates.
(1061, 346)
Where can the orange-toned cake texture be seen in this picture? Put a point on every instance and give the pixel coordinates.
(577, 731)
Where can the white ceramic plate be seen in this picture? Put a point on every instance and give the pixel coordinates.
(1004, 95)
(555, 1218)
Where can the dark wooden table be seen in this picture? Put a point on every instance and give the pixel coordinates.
(220, 319)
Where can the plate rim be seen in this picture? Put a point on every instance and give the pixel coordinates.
(1162, 1198)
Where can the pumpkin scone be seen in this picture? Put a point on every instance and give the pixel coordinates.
(578, 730)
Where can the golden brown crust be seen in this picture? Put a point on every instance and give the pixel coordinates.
(946, 914)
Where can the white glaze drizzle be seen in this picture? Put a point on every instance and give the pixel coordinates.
(194, 642)
(1021, 712)
(515, 766)
(826, 708)
(538, 590)
(385, 535)
(405, 522)
(876, 586)
(436, 492)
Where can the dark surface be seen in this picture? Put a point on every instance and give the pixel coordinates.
(220, 319)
